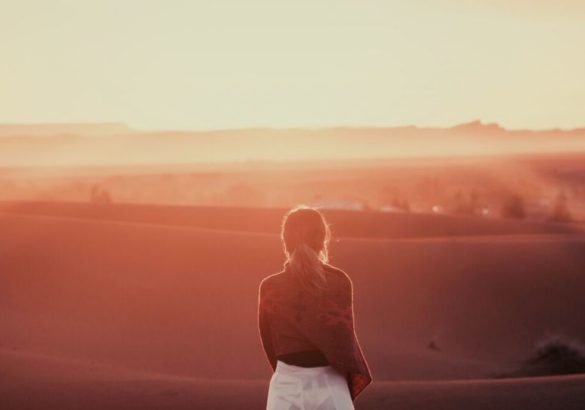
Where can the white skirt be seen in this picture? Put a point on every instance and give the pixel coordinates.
(308, 388)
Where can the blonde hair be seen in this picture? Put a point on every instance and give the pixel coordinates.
(305, 238)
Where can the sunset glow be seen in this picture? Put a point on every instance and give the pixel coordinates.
(222, 64)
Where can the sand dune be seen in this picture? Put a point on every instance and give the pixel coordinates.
(181, 302)
(127, 292)
(64, 384)
(246, 219)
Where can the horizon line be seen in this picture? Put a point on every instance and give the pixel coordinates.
(131, 128)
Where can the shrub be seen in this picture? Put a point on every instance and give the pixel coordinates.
(560, 211)
(555, 355)
(513, 207)
(402, 204)
(99, 195)
(466, 206)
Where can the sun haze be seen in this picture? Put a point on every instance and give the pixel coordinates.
(224, 64)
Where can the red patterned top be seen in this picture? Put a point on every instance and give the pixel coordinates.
(291, 320)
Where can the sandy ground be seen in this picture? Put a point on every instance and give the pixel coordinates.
(40, 382)
(128, 314)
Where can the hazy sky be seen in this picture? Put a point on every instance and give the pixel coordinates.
(172, 64)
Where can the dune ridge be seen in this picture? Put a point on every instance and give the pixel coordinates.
(60, 385)
(344, 223)
(176, 305)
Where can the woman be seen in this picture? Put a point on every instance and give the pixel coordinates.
(306, 323)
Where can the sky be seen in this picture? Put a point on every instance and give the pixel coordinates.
(267, 63)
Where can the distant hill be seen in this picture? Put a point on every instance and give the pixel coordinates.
(110, 128)
(478, 126)
(70, 144)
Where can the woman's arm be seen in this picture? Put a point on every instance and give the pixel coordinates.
(329, 324)
(264, 325)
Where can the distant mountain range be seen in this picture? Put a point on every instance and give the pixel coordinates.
(120, 128)
(495, 128)
(116, 143)
(59, 129)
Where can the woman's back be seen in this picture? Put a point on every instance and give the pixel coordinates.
(291, 320)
